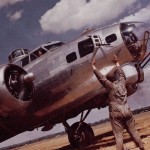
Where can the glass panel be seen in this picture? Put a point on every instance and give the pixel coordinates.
(17, 53)
(85, 47)
(111, 38)
(39, 52)
(25, 61)
(71, 57)
(32, 57)
(26, 51)
(52, 46)
(133, 34)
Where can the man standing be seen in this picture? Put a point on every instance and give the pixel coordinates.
(119, 111)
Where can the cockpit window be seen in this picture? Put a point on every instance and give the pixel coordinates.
(25, 61)
(39, 52)
(32, 57)
(53, 46)
(26, 51)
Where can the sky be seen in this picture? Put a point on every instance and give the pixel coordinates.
(30, 23)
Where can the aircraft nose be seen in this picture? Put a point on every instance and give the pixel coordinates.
(135, 36)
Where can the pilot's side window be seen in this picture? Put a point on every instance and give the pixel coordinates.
(32, 57)
(85, 47)
(39, 52)
(25, 61)
(71, 57)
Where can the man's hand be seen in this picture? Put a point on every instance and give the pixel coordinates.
(93, 64)
(93, 61)
(115, 60)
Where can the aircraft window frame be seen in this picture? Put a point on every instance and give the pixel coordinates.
(26, 51)
(50, 47)
(25, 61)
(128, 34)
(85, 47)
(39, 52)
(111, 38)
(16, 55)
(33, 57)
(71, 57)
(18, 63)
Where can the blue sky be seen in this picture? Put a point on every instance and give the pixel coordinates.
(30, 23)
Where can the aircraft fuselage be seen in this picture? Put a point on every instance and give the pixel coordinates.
(64, 81)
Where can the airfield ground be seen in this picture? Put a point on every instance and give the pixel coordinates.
(104, 139)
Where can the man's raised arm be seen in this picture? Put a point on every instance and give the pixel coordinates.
(101, 78)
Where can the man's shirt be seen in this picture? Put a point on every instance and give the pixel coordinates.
(116, 90)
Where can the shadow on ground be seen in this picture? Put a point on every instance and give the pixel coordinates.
(100, 141)
(96, 143)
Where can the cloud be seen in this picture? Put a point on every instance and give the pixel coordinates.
(73, 15)
(15, 16)
(141, 15)
(4, 3)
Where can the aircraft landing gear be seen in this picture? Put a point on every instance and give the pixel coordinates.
(80, 134)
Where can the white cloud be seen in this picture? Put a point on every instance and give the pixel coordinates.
(15, 16)
(76, 14)
(142, 15)
(4, 3)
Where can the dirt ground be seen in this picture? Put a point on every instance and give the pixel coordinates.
(104, 139)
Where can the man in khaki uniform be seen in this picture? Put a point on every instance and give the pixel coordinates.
(120, 114)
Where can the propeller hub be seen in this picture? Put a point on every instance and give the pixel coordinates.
(28, 78)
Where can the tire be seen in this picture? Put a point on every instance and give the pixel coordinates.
(83, 137)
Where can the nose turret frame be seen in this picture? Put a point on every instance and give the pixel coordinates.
(135, 36)
(17, 54)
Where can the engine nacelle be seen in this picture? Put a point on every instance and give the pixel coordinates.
(134, 73)
(15, 89)
(15, 83)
